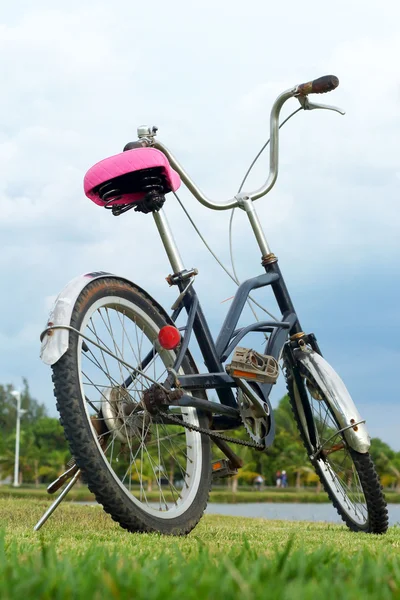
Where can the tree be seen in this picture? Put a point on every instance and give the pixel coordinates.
(287, 452)
(387, 463)
(44, 451)
(8, 411)
(42, 442)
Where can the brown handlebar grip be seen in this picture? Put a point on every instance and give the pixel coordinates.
(324, 84)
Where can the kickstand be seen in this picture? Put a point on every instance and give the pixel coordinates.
(58, 500)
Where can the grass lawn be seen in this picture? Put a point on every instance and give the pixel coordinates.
(82, 553)
(81, 493)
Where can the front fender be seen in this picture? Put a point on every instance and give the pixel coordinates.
(339, 399)
(56, 342)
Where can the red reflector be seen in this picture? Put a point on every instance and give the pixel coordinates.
(169, 337)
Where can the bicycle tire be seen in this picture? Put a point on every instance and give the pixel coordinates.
(72, 404)
(376, 516)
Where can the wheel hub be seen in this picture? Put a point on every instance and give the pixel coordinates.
(124, 417)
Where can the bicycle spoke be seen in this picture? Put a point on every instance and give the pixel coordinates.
(337, 464)
(144, 453)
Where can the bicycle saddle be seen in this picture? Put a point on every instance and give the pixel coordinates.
(125, 178)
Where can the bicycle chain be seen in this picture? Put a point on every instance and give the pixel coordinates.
(211, 433)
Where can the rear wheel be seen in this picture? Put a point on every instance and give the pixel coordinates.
(148, 474)
(348, 477)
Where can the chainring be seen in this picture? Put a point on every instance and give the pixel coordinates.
(257, 427)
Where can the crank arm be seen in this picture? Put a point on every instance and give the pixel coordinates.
(261, 407)
(234, 460)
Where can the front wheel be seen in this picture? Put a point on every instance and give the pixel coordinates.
(348, 477)
(149, 474)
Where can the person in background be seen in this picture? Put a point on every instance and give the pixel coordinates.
(278, 479)
(284, 479)
(258, 481)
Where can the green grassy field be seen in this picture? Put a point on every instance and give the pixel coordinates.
(82, 494)
(82, 553)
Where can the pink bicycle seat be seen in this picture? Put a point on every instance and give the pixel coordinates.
(121, 179)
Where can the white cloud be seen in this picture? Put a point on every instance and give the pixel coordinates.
(79, 79)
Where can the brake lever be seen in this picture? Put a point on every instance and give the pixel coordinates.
(307, 105)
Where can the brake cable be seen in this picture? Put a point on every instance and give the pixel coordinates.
(233, 210)
(234, 276)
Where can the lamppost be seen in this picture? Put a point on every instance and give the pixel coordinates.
(17, 395)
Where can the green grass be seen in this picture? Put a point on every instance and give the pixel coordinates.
(82, 553)
(82, 494)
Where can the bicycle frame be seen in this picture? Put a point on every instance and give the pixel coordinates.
(286, 336)
(216, 352)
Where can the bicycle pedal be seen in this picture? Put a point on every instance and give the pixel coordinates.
(250, 365)
(222, 468)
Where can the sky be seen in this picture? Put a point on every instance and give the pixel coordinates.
(77, 81)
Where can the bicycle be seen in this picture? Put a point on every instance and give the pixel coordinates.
(132, 402)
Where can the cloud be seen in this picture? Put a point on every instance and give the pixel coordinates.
(79, 79)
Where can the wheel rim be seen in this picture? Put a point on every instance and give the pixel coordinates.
(157, 465)
(334, 458)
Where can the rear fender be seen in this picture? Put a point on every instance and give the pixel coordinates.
(55, 343)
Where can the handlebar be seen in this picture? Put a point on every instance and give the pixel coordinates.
(244, 200)
(322, 85)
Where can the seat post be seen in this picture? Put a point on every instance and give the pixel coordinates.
(168, 241)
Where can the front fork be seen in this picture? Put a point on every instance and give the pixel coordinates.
(292, 370)
(304, 350)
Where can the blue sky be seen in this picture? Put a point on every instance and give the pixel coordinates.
(81, 78)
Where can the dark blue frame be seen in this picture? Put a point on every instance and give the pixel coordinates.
(226, 414)
(216, 353)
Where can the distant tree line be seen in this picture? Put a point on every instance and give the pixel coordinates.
(288, 453)
(44, 451)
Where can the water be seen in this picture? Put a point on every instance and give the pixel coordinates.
(289, 511)
(285, 511)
